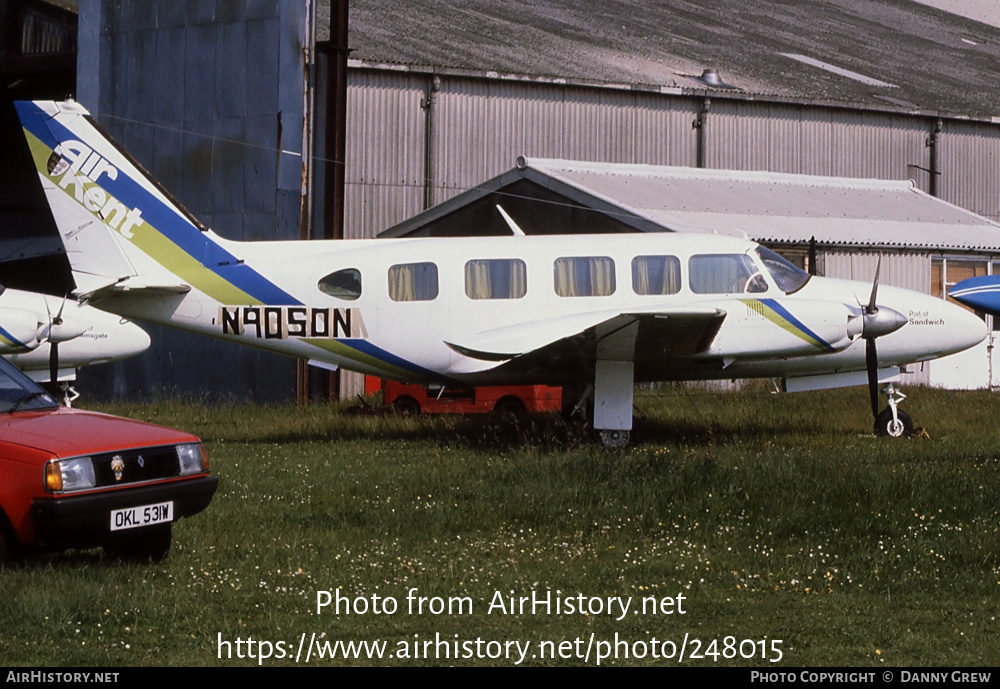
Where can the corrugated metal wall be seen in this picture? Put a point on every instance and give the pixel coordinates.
(205, 95)
(385, 151)
(908, 270)
(747, 135)
(419, 139)
(969, 155)
(413, 143)
(482, 126)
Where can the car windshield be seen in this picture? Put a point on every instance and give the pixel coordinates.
(787, 275)
(18, 392)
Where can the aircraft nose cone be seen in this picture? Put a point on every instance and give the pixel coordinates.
(966, 328)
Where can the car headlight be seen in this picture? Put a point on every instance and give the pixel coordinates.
(69, 474)
(192, 458)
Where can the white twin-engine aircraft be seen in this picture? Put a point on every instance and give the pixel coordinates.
(595, 313)
(49, 338)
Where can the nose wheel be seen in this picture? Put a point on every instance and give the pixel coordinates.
(893, 422)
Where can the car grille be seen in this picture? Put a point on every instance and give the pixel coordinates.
(135, 466)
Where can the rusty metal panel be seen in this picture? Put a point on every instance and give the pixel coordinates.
(969, 154)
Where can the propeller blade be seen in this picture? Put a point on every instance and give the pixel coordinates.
(871, 362)
(54, 363)
(871, 308)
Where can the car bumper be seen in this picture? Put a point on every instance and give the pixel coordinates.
(85, 520)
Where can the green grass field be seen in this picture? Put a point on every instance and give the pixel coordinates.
(778, 518)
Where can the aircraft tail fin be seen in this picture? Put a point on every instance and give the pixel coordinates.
(122, 231)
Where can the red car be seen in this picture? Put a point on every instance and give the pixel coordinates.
(78, 479)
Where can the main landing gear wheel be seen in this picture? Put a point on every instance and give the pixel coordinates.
(614, 438)
(888, 427)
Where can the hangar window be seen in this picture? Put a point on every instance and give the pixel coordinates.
(725, 274)
(656, 275)
(947, 272)
(343, 284)
(504, 278)
(413, 282)
(584, 276)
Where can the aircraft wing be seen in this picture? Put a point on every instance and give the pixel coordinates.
(574, 343)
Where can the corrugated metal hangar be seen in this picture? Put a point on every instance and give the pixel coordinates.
(226, 103)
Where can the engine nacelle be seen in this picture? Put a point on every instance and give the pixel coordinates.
(18, 331)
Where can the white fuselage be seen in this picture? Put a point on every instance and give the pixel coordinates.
(380, 330)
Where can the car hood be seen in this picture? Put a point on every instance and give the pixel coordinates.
(65, 432)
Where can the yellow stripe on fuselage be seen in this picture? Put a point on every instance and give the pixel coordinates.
(154, 244)
(348, 352)
(765, 311)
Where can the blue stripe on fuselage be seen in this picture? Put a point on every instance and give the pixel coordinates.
(366, 347)
(786, 314)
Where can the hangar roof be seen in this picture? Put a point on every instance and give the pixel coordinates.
(896, 55)
(766, 206)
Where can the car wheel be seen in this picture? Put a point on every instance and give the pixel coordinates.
(510, 408)
(406, 406)
(146, 545)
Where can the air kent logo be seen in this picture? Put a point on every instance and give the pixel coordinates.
(79, 167)
(281, 322)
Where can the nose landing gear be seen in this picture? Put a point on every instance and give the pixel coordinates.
(893, 422)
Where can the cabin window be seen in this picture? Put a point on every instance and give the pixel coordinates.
(504, 278)
(413, 282)
(343, 284)
(725, 274)
(584, 276)
(656, 275)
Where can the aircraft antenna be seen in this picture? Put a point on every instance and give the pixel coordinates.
(518, 232)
